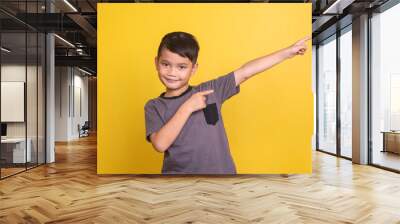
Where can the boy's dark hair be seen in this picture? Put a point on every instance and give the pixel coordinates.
(182, 43)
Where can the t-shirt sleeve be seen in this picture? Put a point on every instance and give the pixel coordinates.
(153, 119)
(224, 86)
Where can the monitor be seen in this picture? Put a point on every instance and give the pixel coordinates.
(3, 129)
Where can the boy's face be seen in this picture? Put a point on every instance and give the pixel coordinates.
(174, 71)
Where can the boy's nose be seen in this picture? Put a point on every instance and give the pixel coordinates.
(171, 75)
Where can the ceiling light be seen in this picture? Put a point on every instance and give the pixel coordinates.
(84, 71)
(5, 50)
(338, 6)
(70, 5)
(64, 40)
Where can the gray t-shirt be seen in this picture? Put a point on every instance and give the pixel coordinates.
(202, 146)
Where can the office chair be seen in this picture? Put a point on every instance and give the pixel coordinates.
(84, 130)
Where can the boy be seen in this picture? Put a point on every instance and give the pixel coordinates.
(185, 121)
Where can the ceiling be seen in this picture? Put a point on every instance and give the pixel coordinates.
(76, 22)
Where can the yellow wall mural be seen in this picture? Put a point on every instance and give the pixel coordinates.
(269, 123)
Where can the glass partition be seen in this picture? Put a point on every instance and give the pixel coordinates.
(14, 154)
(22, 88)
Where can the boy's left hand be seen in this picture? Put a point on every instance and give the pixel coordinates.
(298, 48)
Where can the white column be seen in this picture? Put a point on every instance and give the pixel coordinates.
(50, 92)
(360, 90)
(50, 110)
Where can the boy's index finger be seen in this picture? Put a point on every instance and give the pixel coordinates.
(306, 38)
(206, 92)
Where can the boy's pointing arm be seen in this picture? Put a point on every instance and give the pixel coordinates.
(265, 62)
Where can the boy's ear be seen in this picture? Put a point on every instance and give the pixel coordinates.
(194, 69)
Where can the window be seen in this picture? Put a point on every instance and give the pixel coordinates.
(327, 95)
(346, 92)
(385, 88)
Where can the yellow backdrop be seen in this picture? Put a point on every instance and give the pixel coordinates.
(269, 123)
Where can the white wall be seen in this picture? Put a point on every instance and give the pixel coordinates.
(62, 78)
(71, 93)
(81, 84)
(12, 73)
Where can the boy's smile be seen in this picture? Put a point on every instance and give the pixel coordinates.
(174, 71)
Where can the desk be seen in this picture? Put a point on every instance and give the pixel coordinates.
(16, 148)
(391, 141)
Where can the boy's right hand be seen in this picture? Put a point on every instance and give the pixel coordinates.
(197, 101)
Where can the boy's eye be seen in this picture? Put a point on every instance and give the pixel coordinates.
(164, 64)
(182, 67)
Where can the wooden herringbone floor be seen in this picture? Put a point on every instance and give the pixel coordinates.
(69, 191)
